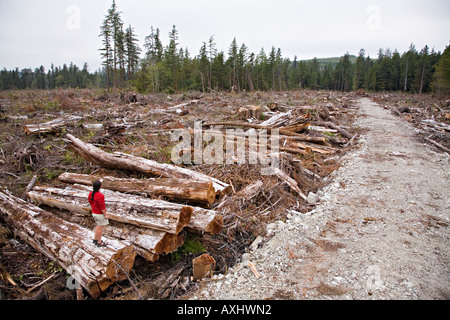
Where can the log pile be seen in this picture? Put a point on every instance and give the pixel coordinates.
(154, 205)
(124, 161)
(69, 244)
(144, 226)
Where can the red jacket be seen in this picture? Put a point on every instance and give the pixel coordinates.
(98, 204)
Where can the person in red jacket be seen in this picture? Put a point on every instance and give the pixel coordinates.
(97, 202)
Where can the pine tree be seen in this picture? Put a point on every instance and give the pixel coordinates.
(171, 56)
(442, 75)
(107, 49)
(360, 70)
(132, 51)
(212, 53)
(233, 52)
(203, 65)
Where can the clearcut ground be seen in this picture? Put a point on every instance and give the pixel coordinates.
(380, 230)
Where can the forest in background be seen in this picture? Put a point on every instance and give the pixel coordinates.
(171, 68)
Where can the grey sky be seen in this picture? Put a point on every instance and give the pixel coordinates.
(41, 32)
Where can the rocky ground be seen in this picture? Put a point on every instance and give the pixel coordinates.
(380, 230)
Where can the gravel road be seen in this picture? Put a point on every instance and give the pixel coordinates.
(380, 230)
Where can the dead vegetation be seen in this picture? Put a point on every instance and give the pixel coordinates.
(141, 125)
(429, 115)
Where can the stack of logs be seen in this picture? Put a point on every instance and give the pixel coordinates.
(143, 226)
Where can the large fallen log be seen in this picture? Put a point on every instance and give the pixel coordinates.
(120, 206)
(179, 189)
(128, 162)
(50, 126)
(69, 244)
(149, 244)
(254, 126)
(130, 209)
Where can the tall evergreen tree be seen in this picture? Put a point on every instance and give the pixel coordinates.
(442, 75)
(132, 51)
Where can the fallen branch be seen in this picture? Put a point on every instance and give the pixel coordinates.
(440, 146)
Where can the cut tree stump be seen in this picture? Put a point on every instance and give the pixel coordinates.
(128, 162)
(69, 244)
(249, 112)
(179, 189)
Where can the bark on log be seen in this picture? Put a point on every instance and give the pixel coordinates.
(296, 127)
(128, 162)
(180, 189)
(278, 120)
(130, 209)
(49, 127)
(254, 126)
(322, 149)
(201, 220)
(149, 244)
(331, 125)
(249, 112)
(290, 182)
(69, 244)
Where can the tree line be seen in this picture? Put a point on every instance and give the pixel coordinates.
(171, 68)
(67, 76)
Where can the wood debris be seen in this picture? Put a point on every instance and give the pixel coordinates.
(124, 141)
(71, 245)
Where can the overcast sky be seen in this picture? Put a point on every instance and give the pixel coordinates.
(41, 32)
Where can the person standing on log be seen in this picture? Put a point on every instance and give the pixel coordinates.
(97, 202)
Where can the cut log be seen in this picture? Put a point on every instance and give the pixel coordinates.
(49, 127)
(69, 244)
(254, 126)
(149, 244)
(251, 191)
(322, 149)
(75, 200)
(331, 125)
(121, 207)
(290, 182)
(297, 127)
(179, 189)
(203, 266)
(278, 120)
(128, 162)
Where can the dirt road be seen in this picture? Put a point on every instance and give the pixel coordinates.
(380, 230)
